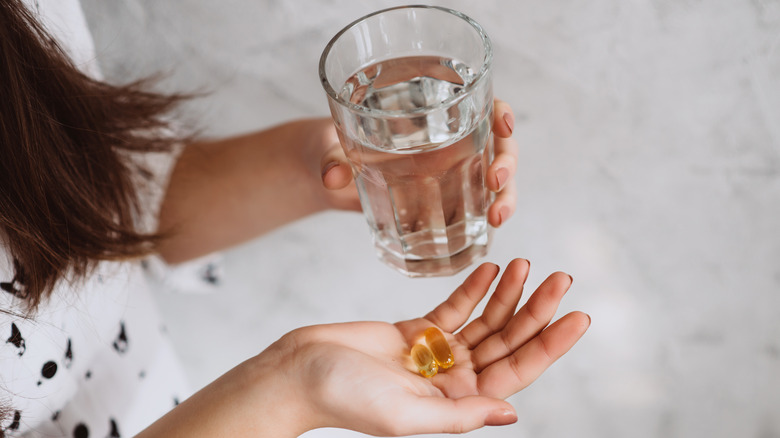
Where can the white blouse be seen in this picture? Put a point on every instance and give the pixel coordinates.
(94, 360)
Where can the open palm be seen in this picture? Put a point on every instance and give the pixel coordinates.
(364, 377)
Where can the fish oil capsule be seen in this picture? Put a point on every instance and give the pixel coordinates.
(423, 359)
(442, 353)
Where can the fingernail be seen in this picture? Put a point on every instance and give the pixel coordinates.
(329, 166)
(500, 417)
(503, 214)
(571, 279)
(589, 320)
(501, 176)
(510, 122)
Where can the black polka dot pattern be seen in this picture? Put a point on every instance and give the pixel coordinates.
(17, 340)
(59, 359)
(120, 344)
(81, 431)
(114, 430)
(16, 422)
(16, 286)
(49, 369)
(68, 360)
(211, 274)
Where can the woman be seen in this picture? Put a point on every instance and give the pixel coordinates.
(83, 167)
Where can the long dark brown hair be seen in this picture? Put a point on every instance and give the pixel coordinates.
(68, 187)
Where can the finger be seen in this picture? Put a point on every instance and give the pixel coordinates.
(504, 205)
(444, 415)
(504, 164)
(501, 306)
(503, 119)
(455, 311)
(529, 321)
(336, 173)
(515, 372)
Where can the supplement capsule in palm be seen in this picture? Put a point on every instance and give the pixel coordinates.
(440, 348)
(423, 359)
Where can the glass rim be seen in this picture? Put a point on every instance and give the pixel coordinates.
(478, 78)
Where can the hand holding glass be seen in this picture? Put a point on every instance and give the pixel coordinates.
(410, 92)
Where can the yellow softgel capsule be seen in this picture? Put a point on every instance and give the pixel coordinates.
(442, 353)
(423, 359)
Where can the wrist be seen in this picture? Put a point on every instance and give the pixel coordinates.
(260, 398)
(276, 382)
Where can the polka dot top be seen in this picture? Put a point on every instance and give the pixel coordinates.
(94, 360)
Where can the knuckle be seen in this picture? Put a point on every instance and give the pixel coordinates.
(516, 367)
(545, 348)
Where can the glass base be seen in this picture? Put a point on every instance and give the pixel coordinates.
(439, 266)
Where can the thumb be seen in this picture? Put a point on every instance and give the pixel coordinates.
(336, 173)
(334, 167)
(443, 415)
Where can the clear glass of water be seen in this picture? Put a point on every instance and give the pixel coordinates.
(410, 92)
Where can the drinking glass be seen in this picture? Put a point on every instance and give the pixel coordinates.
(410, 92)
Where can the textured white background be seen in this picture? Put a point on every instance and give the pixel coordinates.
(649, 170)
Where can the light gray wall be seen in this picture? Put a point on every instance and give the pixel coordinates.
(649, 170)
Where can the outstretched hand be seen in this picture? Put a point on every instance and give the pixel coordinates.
(359, 375)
